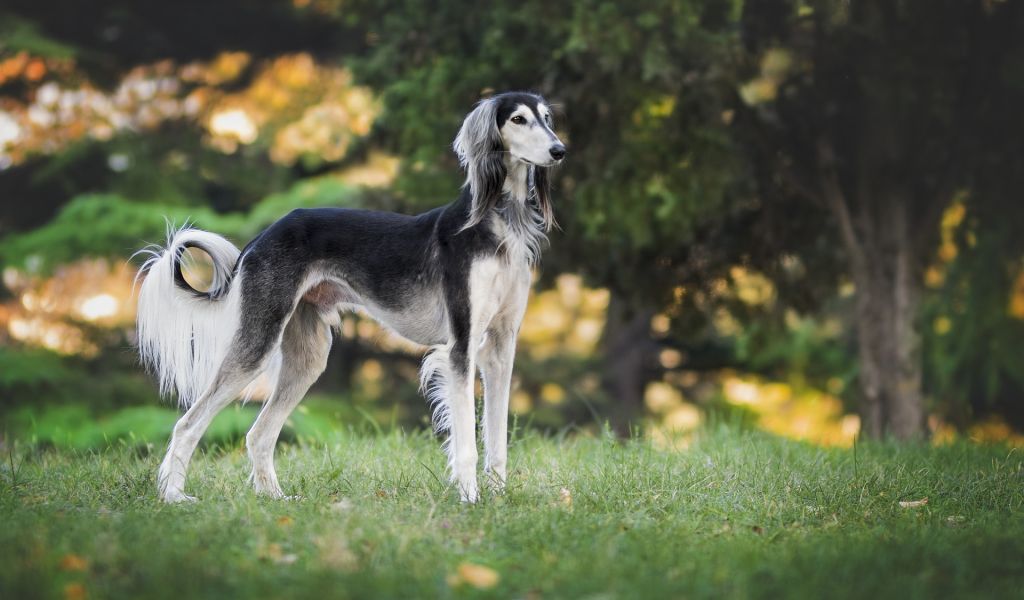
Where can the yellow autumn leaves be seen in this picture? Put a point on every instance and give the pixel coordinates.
(73, 563)
(298, 108)
(474, 575)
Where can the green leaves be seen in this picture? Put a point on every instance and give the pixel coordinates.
(651, 161)
(113, 226)
(18, 34)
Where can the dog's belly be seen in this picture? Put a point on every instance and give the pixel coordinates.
(425, 323)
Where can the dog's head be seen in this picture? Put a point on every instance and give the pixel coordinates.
(517, 126)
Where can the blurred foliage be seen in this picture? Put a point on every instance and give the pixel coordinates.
(35, 379)
(619, 75)
(118, 225)
(975, 329)
(696, 250)
(30, 370)
(81, 426)
(887, 115)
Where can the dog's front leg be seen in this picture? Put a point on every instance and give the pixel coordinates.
(497, 355)
(468, 322)
(462, 453)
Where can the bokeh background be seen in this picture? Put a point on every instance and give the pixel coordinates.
(801, 216)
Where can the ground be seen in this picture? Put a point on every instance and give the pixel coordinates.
(734, 514)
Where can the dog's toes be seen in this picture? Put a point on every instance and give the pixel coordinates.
(178, 498)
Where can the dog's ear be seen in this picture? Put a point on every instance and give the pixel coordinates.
(542, 195)
(480, 151)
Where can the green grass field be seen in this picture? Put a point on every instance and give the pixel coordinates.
(734, 515)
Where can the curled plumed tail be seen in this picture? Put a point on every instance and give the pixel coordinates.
(184, 334)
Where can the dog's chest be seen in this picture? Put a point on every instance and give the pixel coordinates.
(496, 287)
(518, 237)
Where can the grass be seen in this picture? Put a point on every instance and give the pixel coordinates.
(735, 515)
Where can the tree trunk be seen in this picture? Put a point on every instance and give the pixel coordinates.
(880, 244)
(906, 418)
(628, 352)
(889, 344)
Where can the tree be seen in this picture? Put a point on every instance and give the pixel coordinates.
(132, 58)
(650, 166)
(882, 113)
(815, 144)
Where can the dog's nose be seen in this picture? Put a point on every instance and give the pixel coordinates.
(557, 152)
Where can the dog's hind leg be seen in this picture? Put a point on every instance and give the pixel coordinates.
(304, 348)
(254, 343)
(232, 377)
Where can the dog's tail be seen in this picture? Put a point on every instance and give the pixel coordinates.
(183, 333)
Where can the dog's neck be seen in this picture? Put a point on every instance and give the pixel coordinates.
(517, 222)
(517, 180)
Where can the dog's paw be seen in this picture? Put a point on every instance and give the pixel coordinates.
(177, 497)
(264, 483)
(277, 494)
(495, 483)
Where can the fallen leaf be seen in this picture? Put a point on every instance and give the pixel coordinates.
(73, 562)
(335, 553)
(74, 591)
(276, 554)
(913, 503)
(285, 520)
(342, 505)
(565, 497)
(757, 529)
(478, 576)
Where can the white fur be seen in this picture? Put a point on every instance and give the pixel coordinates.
(498, 294)
(530, 141)
(497, 355)
(435, 376)
(183, 338)
(520, 228)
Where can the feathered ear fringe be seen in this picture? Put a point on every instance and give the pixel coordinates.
(480, 151)
(542, 194)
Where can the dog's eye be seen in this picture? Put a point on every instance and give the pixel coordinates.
(519, 120)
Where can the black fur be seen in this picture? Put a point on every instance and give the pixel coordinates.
(507, 104)
(411, 273)
(386, 258)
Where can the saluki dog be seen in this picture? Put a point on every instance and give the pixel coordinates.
(455, 278)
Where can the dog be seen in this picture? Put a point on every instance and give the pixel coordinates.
(455, 278)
